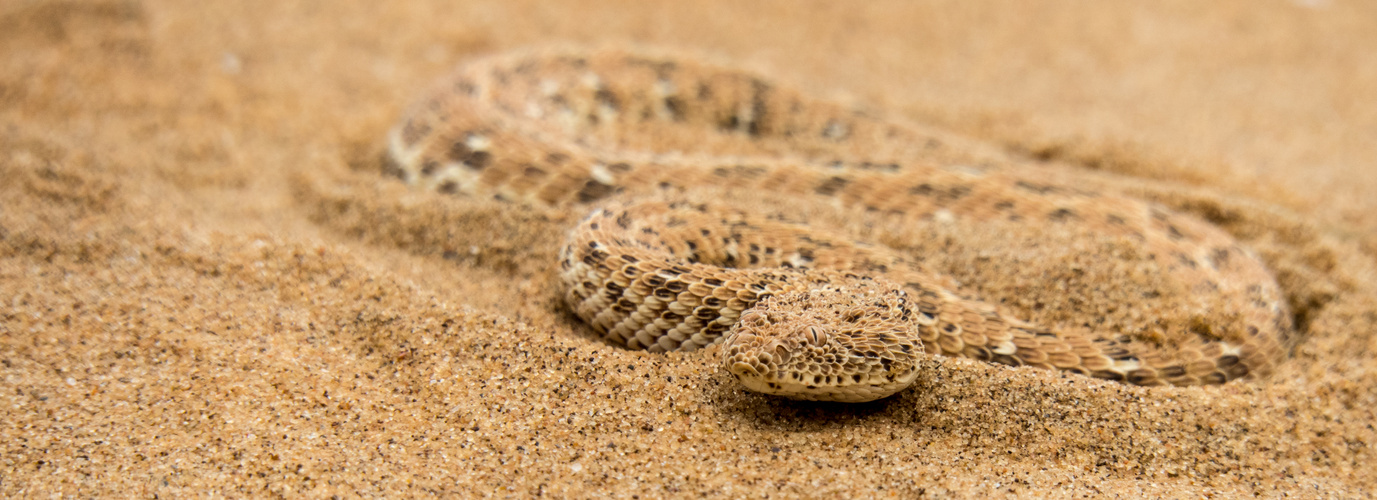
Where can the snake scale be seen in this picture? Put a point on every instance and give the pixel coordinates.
(801, 312)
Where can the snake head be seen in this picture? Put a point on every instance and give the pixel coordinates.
(853, 342)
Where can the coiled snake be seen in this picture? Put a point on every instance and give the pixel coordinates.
(805, 314)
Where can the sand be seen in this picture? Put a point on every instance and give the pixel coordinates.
(207, 290)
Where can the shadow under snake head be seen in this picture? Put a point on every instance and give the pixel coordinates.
(853, 342)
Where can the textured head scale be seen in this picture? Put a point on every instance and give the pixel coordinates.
(852, 343)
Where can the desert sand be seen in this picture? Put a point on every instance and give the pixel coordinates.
(208, 289)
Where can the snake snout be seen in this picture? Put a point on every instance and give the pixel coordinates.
(743, 369)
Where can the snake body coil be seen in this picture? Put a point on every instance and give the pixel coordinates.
(805, 314)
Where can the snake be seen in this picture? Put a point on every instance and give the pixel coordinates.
(621, 135)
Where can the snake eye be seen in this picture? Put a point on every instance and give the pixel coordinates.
(815, 336)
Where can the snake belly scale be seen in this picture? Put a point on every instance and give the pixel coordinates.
(800, 312)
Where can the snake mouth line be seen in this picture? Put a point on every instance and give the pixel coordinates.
(842, 389)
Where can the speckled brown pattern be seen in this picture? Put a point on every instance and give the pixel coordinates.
(567, 127)
(205, 291)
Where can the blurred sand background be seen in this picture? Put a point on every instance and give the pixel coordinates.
(205, 287)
